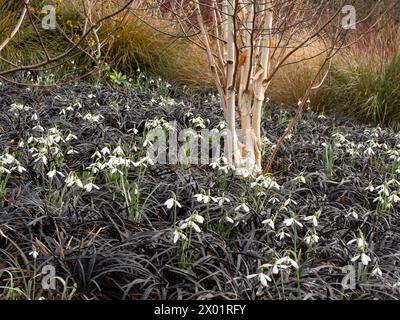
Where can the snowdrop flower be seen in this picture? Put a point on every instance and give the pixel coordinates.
(353, 213)
(393, 198)
(20, 169)
(289, 201)
(300, 179)
(365, 260)
(369, 152)
(72, 151)
(172, 202)
(93, 118)
(393, 181)
(71, 136)
(118, 151)
(269, 222)
(290, 221)
(147, 142)
(105, 151)
(287, 261)
(310, 239)
(229, 219)
(243, 207)
(321, 117)
(190, 224)
(97, 154)
(34, 253)
(89, 187)
(282, 234)
(274, 200)
(222, 200)
(38, 128)
(19, 107)
(244, 172)
(263, 278)
(202, 198)
(361, 243)
(52, 173)
(72, 180)
(377, 272)
(312, 218)
(177, 234)
(383, 189)
(196, 217)
(370, 187)
(134, 130)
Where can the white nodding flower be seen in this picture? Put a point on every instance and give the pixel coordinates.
(78, 182)
(118, 151)
(222, 200)
(282, 235)
(190, 224)
(377, 272)
(52, 173)
(287, 261)
(72, 151)
(243, 207)
(202, 198)
(310, 239)
(290, 221)
(229, 219)
(263, 278)
(370, 187)
(172, 202)
(313, 219)
(269, 222)
(198, 218)
(300, 179)
(90, 186)
(38, 128)
(133, 130)
(97, 154)
(71, 136)
(383, 189)
(105, 151)
(365, 259)
(34, 253)
(369, 152)
(353, 213)
(393, 198)
(146, 142)
(21, 169)
(274, 200)
(361, 243)
(72, 180)
(288, 202)
(177, 234)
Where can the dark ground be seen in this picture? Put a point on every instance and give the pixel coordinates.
(93, 245)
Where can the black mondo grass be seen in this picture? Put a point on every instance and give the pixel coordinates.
(100, 251)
